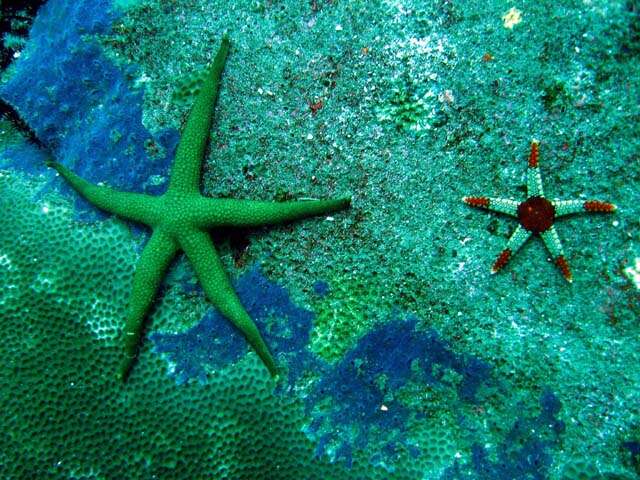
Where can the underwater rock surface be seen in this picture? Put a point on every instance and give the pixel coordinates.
(402, 356)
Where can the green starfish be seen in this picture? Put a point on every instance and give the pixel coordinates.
(180, 219)
(537, 216)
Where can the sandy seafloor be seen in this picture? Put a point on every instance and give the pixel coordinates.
(404, 357)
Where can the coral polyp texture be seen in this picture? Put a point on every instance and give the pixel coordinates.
(220, 419)
(80, 422)
(537, 216)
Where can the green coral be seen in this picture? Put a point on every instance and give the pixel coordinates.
(344, 315)
(189, 87)
(62, 417)
(585, 470)
(555, 96)
(405, 110)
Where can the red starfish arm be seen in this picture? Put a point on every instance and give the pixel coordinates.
(568, 207)
(517, 239)
(534, 179)
(500, 205)
(553, 244)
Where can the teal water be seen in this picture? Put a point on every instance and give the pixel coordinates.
(401, 355)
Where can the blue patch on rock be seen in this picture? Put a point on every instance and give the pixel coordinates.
(352, 391)
(524, 454)
(383, 361)
(214, 342)
(321, 288)
(88, 112)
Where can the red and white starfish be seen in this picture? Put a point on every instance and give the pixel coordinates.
(537, 216)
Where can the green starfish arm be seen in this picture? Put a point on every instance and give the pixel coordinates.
(185, 173)
(216, 285)
(154, 261)
(247, 213)
(132, 206)
(179, 220)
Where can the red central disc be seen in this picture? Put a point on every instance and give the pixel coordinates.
(536, 214)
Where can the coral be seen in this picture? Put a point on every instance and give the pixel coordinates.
(631, 453)
(62, 417)
(524, 452)
(405, 111)
(15, 19)
(405, 222)
(367, 396)
(89, 117)
(555, 97)
(61, 314)
(187, 88)
(344, 312)
(180, 220)
(580, 470)
(443, 436)
(321, 288)
(65, 418)
(213, 343)
(24, 157)
(347, 396)
(356, 396)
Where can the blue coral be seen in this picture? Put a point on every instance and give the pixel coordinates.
(213, 343)
(92, 121)
(24, 157)
(394, 353)
(524, 453)
(321, 288)
(81, 105)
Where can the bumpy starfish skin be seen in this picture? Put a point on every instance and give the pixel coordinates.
(537, 216)
(180, 219)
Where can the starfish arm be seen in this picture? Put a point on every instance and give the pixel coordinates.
(553, 244)
(185, 174)
(534, 179)
(153, 263)
(132, 206)
(500, 205)
(208, 267)
(249, 213)
(514, 243)
(567, 207)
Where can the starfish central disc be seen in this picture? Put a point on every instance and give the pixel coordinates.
(536, 214)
